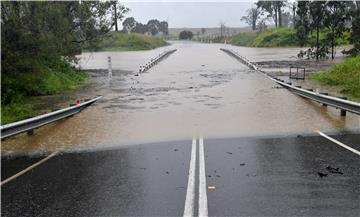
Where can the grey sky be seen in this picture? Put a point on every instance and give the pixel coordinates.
(190, 14)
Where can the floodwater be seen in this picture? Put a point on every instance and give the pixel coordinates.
(198, 90)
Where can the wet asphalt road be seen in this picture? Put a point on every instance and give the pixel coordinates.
(252, 177)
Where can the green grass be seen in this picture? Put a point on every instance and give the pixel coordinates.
(243, 39)
(34, 78)
(345, 75)
(281, 37)
(118, 41)
(276, 37)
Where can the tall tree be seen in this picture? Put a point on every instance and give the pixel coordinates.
(274, 10)
(267, 6)
(336, 16)
(355, 29)
(129, 24)
(317, 13)
(164, 27)
(253, 15)
(118, 12)
(302, 22)
(153, 26)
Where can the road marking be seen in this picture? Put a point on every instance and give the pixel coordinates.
(28, 168)
(337, 142)
(190, 193)
(203, 205)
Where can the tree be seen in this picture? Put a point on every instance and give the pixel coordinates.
(253, 15)
(317, 13)
(38, 35)
(222, 29)
(261, 25)
(286, 19)
(274, 10)
(186, 35)
(52, 28)
(129, 24)
(203, 30)
(153, 26)
(118, 12)
(355, 29)
(336, 15)
(164, 27)
(302, 22)
(140, 28)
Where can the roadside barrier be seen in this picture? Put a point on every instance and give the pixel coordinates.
(28, 125)
(156, 60)
(324, 98)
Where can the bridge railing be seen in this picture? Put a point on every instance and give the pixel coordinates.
(337, 102)
(156, 60)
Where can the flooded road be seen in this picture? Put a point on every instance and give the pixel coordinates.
(197, 90)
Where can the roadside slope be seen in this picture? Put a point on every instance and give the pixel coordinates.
(345, 75)
(118, 41)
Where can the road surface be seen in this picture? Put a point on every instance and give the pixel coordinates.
(244, 177)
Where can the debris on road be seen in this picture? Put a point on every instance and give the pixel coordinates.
(211, 187)
(334, 170)
(322, 174)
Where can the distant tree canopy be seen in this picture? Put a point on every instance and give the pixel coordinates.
(153, 26)
(186, 35)
(252, 17)
(273, 9)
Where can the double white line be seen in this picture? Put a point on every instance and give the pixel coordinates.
(190, 193)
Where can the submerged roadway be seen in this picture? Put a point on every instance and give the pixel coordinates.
(284, 169)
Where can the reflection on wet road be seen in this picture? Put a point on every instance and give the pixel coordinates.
(196, 91)
(256, 176)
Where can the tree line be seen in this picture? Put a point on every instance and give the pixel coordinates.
(327, 20)
(153, 27)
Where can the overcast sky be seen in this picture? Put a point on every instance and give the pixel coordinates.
(190, 14)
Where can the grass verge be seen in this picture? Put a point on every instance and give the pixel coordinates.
(274, 37)
(118, 41)
(38, 78)
(345, 75)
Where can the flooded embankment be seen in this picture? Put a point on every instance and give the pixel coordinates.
(198, 90)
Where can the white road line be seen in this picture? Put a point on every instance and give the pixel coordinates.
(203, 205)
(190, 193)
(28, 168)
(337, 142)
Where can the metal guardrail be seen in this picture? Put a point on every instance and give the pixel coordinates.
(342, 104)
(30, 124)
(156, 60)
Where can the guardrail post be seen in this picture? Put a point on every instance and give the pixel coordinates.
(30, 132)
(109, 67)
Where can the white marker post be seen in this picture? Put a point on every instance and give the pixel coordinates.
(110, 68)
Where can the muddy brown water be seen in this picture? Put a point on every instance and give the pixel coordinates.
(198, 90)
